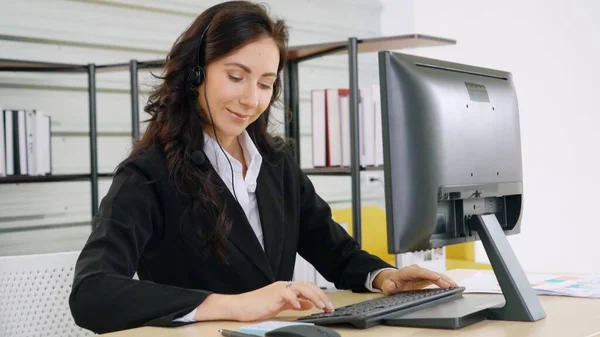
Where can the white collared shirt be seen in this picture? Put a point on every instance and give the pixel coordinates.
(245, 188)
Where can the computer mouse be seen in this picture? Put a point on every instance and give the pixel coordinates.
(302, 330)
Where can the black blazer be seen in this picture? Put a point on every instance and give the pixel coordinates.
(137, 230)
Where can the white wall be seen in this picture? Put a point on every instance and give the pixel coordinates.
(397, 17)
(552, 49)
(117, 31)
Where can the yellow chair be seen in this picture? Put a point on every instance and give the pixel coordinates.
(374, 239)
(374, 233)
(462, 256)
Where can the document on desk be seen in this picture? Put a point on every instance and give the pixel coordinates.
(542, 284)
(260, 329)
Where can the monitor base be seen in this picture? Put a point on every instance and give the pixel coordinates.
(522, 303)
(455, 314)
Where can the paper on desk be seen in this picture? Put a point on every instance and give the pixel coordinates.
(542, 284)
(260, 329)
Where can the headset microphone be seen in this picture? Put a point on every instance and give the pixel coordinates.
(198, 157)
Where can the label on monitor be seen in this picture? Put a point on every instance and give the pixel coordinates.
(477, 92)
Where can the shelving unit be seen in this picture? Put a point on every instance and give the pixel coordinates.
(7, 65)
(352, 47)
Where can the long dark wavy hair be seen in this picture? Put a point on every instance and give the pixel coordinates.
(177, 122)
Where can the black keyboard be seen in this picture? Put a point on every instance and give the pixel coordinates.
(371, 312)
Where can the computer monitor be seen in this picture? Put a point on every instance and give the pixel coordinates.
(452, 165)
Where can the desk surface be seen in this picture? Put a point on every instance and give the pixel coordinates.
(565, 316)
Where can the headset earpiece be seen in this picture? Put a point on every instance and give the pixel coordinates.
(196, 76)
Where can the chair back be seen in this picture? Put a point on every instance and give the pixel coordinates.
(34, 295)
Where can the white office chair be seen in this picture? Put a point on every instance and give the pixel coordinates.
(34, 295)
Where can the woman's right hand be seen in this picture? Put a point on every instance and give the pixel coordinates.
(266, 302)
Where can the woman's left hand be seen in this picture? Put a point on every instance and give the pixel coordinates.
(410, 278)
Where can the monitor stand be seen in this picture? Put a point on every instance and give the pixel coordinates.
(519, 302)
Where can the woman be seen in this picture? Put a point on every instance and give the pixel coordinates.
(209, 209)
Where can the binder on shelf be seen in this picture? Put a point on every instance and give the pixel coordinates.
(44, 144)
(319, 126)
(30, 141)
(19, 142)
(345, 127)
(2, 145)
(333, 131)
(344, 98)
(9, 142)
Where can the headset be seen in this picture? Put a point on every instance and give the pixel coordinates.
(195, 79)
(197, 75)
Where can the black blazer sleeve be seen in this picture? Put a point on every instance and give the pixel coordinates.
(104, 295)
(328, 247)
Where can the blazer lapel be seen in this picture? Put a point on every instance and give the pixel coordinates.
(242, 235)
(270, 199)
(244, 239)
